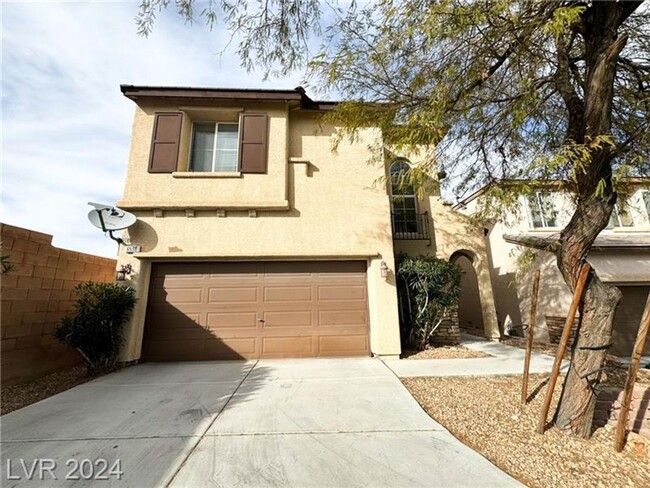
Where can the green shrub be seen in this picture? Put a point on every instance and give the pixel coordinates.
(428, 289)
(95, 329)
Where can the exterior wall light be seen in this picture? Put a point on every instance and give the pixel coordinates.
(122, 273)
(384, 269)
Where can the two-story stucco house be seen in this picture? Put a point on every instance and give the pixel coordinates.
(620, 255)
(259, 240)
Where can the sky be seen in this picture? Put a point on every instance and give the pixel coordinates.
(65, 124)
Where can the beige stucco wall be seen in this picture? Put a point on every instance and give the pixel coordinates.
(451, 232)
(183, 190)
(334, 212)
(513, 286)
(455, 233)
(470, 318)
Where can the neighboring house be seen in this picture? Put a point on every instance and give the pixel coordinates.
(259, 240)
(620, 255)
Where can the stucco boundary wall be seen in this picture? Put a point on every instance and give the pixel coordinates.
(36, 294)
(608, 409)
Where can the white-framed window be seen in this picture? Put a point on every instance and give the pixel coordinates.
(403, 195)
(403, 200)
(620, 216)
(646, 200)
(541, 209)
(214, 147)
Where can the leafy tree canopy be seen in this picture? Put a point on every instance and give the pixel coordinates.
(498, 85)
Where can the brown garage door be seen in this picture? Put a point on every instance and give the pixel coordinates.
(201, 311)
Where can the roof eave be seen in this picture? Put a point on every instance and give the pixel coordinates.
(298, 95)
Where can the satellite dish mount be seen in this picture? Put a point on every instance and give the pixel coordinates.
(110, 219)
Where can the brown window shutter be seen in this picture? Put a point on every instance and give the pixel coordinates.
(165, 142)
(253, 138)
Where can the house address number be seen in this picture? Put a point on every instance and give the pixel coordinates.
(133, 249)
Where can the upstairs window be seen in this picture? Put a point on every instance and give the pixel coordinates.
(646, 200)
(620, 216)
(403, 194)
(541, 209)
(240, 147)
(403, 203)
(214, 147)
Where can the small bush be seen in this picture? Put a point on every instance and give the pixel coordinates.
(429, 289)
(95, 329)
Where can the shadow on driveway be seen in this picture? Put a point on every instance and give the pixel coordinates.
(148, 417)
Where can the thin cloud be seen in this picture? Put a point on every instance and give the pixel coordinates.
(66, 126)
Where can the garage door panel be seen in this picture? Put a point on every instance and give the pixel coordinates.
(287, 346)
(348, 330)
(343, 269)
(175, 320)
(287, 294)
(231, 348)
(288, 319)
(281, 306)
(309, 309)
(177, 309)
(171, 308)
(173, 271)
(219, 320)
(196, 333)
(157, 293)
(230, 271)
(341, 306)
(283, 269)
(341, 344)
(338, 293)
(342, 317)
(180, 295)
(174, 283)
(233, 294)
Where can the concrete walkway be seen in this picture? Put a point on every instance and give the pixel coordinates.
(284, 423)
(507, 360)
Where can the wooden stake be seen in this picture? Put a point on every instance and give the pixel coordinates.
(631, 377)
(561, 348)
(529, 342)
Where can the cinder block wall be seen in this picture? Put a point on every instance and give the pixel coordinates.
(608, 408)
(36, 293)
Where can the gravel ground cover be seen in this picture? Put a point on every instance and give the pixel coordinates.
(445, 352)
(484, 413)
(19, 396)
(617, 374)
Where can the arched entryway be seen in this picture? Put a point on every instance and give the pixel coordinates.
(470, 313)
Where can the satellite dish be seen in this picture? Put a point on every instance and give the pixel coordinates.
(109, 218)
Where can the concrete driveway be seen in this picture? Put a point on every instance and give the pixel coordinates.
(312, 422)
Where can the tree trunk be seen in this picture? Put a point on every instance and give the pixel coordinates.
(578, 400)
(595, 201)
(596, 323)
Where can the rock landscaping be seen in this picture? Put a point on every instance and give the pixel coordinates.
(19, 396)
(485, 414)
(445, 352)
